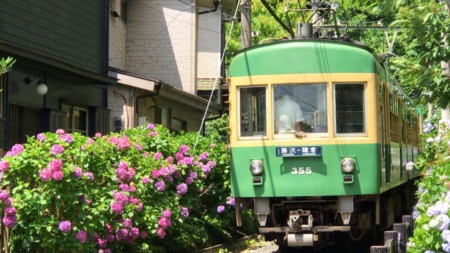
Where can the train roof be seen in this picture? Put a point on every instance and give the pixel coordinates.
(303, 57)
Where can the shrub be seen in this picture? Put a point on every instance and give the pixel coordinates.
(140, 190)
(431, 214)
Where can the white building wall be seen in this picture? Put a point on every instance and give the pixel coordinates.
(209, 45)
(161, 41)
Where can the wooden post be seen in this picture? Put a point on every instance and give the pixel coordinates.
(379, 249)
(409, 221)
(402, 236)
(391, 240)
(246, 15)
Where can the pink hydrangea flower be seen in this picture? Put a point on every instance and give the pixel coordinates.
(65, 226)
(220, 209)
(4, 165)
(60, 131)
(55, 165)
(15, 150)
(58, 175)
(116, 208)
(145, 180)
(167, 213)
(150, 126)
(89, 175)
(184, 149)
(145, 154)
(160, 232)
(81, 236)
(66, 137)
(127, 223)
(144, 234)
(45, 174)
(157, 156)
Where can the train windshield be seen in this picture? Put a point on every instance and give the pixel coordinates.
(349, 104)
(300, 108)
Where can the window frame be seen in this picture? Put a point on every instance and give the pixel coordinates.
(265, 133)
(68, 108)
(364, 110)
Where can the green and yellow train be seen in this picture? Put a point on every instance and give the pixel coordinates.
(335, 160)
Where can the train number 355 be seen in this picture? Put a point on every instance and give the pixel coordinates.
(301, 171)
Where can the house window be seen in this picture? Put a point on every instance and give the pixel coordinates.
(76, 118)
(179, 125)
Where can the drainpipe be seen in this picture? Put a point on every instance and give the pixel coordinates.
(158, 87)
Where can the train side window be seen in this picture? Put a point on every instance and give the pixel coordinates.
(349, 104)
(300, 108)
(252, 101)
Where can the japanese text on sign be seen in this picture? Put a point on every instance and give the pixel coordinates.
(299, 151)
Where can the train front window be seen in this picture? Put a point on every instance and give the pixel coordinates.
(252, 102)
(300, 108)
(349, 105)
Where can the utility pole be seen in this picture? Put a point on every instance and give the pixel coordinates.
(246, 15)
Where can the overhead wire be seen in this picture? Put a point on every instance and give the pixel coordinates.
(234, 20)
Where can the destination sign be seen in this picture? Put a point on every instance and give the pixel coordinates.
(298, 151)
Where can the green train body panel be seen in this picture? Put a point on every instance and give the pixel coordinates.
(326, 178)
(303, 57)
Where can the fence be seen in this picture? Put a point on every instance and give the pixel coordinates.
(395, 241)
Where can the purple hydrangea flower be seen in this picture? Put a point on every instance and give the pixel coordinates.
(134, 232)
(220, 209)
(77, 172)
(231, 201)
(89, 175)
(4, 195)
(65, 226)
(150, 126)
(189, 180)
(182, 188)
(144, 234)
(185, 212)
(160, 185)
(9, 221)
(41, 137)
(167, 213)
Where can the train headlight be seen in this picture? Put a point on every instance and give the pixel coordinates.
(347, 165)
(256, 167)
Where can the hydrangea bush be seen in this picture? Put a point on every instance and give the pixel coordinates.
(140, 190)
(431, 213)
